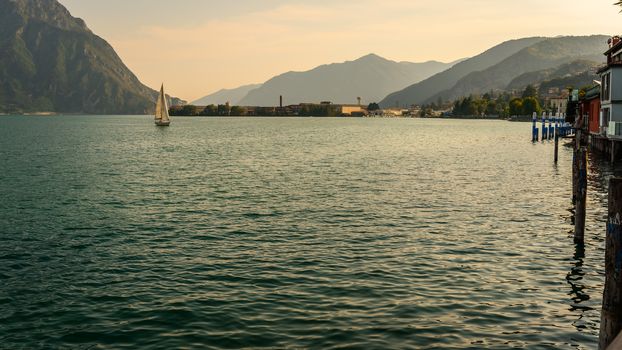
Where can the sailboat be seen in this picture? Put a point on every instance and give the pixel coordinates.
(161, 112)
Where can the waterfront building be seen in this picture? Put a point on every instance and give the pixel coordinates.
(590, 109)
(611, 90)
(353, 110)
(558, 104)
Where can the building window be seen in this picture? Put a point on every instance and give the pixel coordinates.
(606, 116)
(606, 87)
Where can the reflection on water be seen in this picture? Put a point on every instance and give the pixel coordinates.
(575, 279)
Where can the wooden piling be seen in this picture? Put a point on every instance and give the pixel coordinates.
(611, 315)
(581, 196)
(575, 175)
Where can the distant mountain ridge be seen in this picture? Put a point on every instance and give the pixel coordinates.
(581, 72)
(501, 66)
(418, 93)
(548, 54)
(370, 77)
(51, 61)
(233, 96)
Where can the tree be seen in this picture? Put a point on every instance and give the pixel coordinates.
(530, 91)
(619, 3)
(531, 105)
(188, 110)
(373, 107)
(491, 108)
(210, 110)
(223, 109)
(237, 111)
(516, 106)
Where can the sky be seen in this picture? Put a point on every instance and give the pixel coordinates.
(196, 47)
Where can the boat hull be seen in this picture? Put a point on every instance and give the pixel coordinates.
(162, 123)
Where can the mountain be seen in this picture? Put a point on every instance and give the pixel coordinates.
(421, 92)
(233, 96)
(547, 54)
(579, 80)
(577, 73)
(50, 61)
(370, 77)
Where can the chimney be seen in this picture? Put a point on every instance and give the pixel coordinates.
(281, 101)
(614, 41)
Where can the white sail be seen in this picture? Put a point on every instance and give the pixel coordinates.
(161, 112)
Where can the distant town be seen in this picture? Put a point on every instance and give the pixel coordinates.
(492, 105)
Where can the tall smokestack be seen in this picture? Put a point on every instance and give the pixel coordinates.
(281, 101)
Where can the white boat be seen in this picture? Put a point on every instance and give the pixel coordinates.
(161, 112)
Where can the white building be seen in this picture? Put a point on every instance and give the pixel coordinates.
(611, 89)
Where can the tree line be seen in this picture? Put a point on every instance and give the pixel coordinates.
(317, 110)
(503, 105)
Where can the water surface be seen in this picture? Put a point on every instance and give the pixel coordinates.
(292, 233)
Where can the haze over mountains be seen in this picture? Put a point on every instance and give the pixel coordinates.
(51, 61)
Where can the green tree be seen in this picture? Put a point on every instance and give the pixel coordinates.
(491, 108)
(237, 111)
(516, 106)
(189, 110)
(530, 91)
(223, 109)
(531, 105)
(210, 110)
(373, 107)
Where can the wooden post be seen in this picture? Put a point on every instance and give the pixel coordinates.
(574, 176)
(611, 315)
(579, 214)
(575, 168)
(577, 141)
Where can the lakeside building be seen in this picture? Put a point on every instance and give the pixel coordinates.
(590, 109)
(611, 90)
(352, 110)
(558, 104)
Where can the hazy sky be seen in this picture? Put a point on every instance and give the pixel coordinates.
(199, 46)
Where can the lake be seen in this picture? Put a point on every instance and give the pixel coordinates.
(293, 233)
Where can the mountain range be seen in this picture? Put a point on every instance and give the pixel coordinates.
(512, 65)
(418, 93)
(547, 54)
(370, 77)
(220, 97)
(51, 61)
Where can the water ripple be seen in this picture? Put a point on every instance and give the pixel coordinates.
(292, 233)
